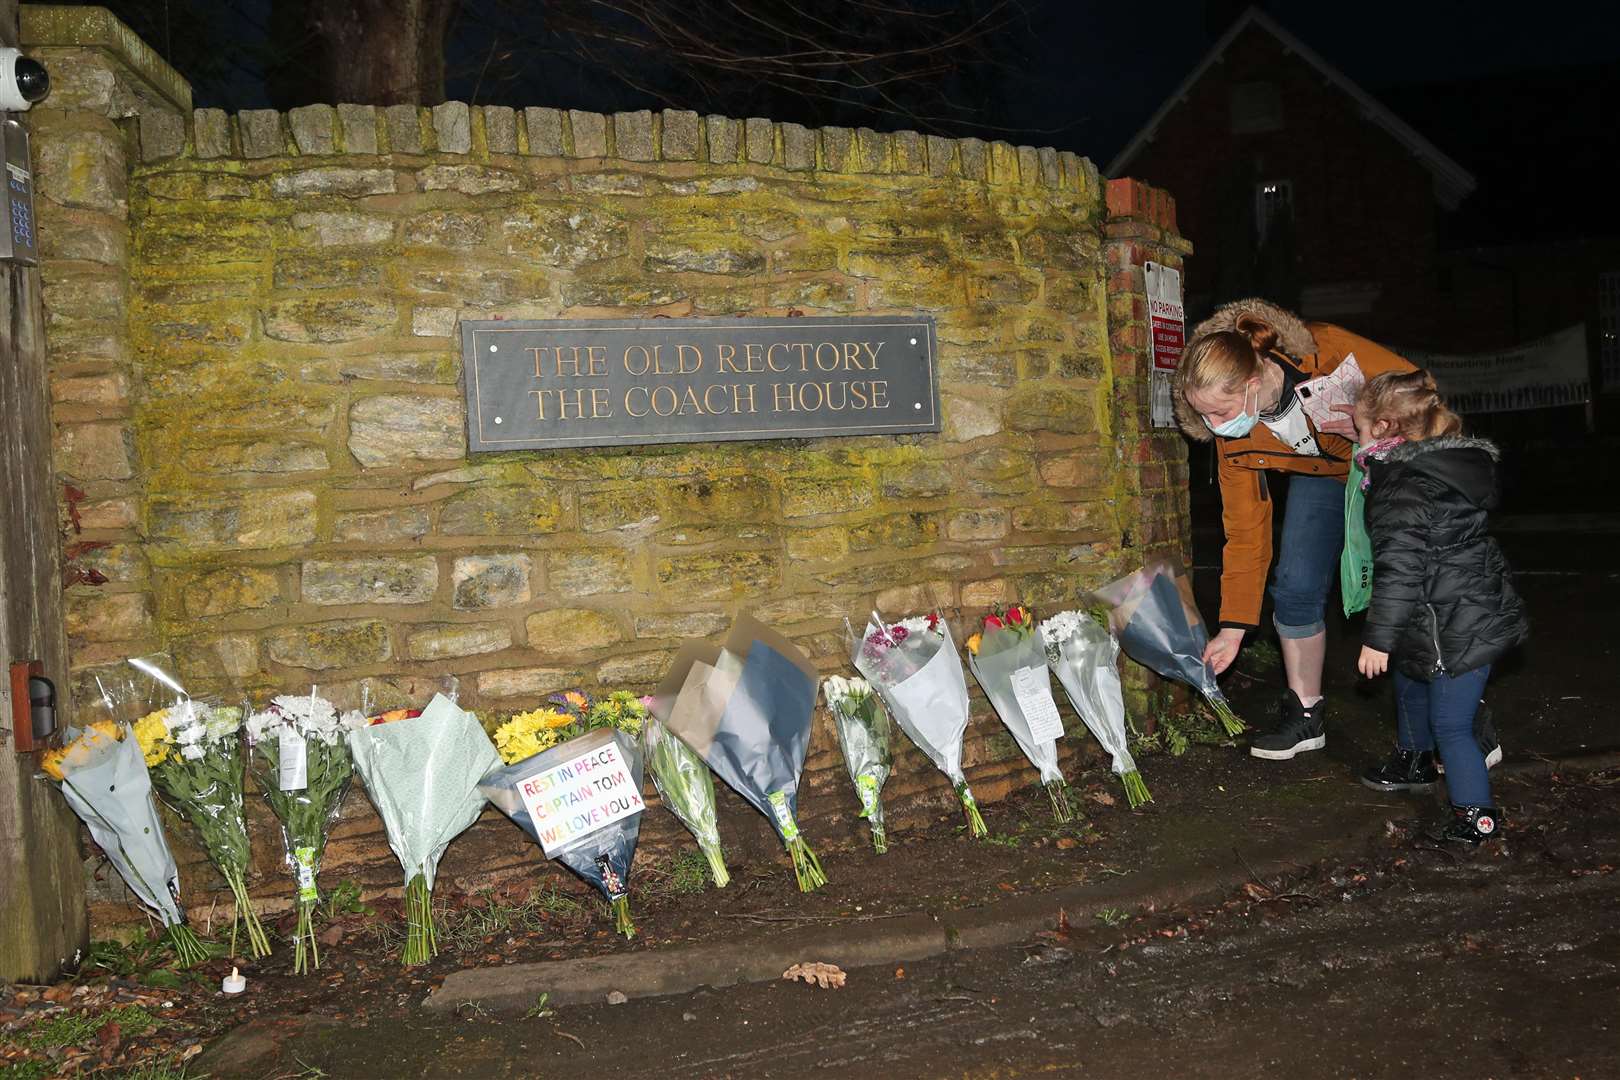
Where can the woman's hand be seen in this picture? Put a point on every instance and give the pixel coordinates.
(1344, 424)
(1372, 662)
(1223, 649)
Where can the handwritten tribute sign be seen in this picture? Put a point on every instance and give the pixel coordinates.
(577, 797)
(622, 382)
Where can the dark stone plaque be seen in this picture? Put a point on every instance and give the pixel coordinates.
(620, 382)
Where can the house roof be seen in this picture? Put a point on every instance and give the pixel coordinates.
(1452, 182)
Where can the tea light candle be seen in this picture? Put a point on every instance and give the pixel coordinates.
(234, 983)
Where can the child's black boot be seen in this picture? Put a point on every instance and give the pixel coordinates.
(1405, 770)
(1471, 826)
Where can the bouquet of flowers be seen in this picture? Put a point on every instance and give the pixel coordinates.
(195, 758)
(579, 795)
(686, 785)
(1009, 660)
(863, 735)
(1157, 623)
(422, 774)
(299, 755)
(1085, 658)
(103, 777)
(914, 665)
(745, 710)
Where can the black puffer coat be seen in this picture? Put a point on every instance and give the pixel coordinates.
(1443, 598)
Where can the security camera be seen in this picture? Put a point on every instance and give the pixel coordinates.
(23, 81)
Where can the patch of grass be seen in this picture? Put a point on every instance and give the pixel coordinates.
(1113, 916)
(688, 873)
(1174, 734)
(541, 1009)
(26, 1070)
(71, 1029)
(464, 928)
(1004, 840)
(161, 1068)
(125, 959)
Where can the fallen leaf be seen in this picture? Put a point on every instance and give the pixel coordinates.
(1102, 798)
(57, 994)
(1004, 887)
(1064, 843)
(899, 972)
(332, 935)
(822, 975)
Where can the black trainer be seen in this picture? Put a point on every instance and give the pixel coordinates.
(1299, 730)
(1485, 734)
(1471, 826)
(1406, 770)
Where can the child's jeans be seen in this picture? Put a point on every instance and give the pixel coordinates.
(1439, 715)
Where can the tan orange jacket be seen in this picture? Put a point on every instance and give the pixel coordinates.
(1314, 349)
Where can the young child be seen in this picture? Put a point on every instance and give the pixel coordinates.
(1443, 605)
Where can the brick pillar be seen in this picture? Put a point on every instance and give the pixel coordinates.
(1153, 497)
(108, 90)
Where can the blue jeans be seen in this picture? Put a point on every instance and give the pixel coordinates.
(1308, 562)
(1439, 715)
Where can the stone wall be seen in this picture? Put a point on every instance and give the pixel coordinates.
(253, 325)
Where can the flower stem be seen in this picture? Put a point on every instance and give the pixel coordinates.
(188, 948)
(421, 944)
(1136, 792)
(621, 917)
(806, 867)
(970, 807)
(880, 837)
(306, 953)
(717, 867)
(1058, 791)
(258, 942)
(1229, 719)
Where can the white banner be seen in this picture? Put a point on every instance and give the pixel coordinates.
(1545, 373)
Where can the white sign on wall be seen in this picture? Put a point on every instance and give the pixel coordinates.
(1167, 335)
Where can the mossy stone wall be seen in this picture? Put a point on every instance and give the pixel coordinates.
(257, 373)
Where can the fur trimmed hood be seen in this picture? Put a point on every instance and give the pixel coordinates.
(1465, 464)
(1293, 338)
(1409, 450)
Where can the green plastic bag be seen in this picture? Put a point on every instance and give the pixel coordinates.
(1356, 561)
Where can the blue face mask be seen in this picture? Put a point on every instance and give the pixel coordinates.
(1240, 425)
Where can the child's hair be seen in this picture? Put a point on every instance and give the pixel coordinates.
(1410, 403)
(1225, 359)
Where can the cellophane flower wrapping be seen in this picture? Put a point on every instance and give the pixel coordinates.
(193, 751)
(1008, 646)
(298, 753)
(601, 856)
(745, 710)
(422, 774)
(686, 787)
(102, 774)
(1154, 617)
(1085, 658)
(862, 724)
(914, 664)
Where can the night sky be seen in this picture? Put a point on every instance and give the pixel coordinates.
(1077, 75)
